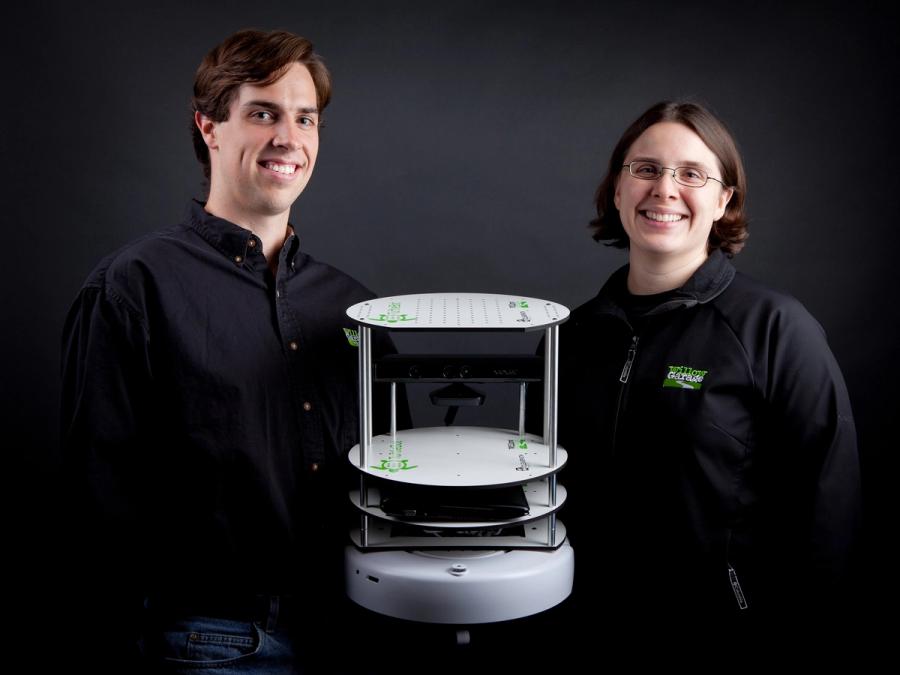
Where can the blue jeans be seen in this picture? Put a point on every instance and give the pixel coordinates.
(174, 643)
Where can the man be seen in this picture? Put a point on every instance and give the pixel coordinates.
(210, 393)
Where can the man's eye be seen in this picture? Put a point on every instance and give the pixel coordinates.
(264, 115)
(307, 121)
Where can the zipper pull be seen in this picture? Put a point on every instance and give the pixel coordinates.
(626, 370)
(736, 587)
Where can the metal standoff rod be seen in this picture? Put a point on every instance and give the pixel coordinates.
(365, 395)
(394, 415)
(522, 394)
(551, 486)
(365, 424)
(551, 353)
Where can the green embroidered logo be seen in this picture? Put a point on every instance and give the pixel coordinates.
(393, 315)
(395, 461)
(352, 336)
(684, 377)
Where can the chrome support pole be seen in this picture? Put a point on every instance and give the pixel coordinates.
(522, 395)
(365, 424)
(551, 354)
(365, 395)
(394, 415)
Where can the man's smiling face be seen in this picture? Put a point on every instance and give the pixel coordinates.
(263, 155)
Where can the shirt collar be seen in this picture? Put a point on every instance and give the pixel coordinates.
(236, 243)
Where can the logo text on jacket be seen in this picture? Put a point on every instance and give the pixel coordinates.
(684, 377)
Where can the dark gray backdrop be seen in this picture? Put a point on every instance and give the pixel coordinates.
(461, 151)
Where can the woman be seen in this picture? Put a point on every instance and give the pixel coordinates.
(714, 469)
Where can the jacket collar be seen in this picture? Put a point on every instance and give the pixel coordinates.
(707, 283)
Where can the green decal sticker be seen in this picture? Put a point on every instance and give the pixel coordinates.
(684, 377)
(395, 461)
(522, 444)
(352, 336)
(393, 315)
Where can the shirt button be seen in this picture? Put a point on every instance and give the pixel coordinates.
(314, 467)
(307, 406)
(294, 346)
(251, 243)
(238, 258)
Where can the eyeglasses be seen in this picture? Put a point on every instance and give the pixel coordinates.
(690, 176)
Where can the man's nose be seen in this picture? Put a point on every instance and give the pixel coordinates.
(287, 135)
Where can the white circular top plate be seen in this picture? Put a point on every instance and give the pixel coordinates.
(458, 311)
(459, 456)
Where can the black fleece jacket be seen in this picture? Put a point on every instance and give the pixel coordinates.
(713, 462)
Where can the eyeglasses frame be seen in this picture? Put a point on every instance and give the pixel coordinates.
(673, 170)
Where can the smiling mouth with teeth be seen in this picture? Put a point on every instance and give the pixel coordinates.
(662, 217)
(286, 169)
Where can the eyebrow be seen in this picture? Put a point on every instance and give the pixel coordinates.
(699, 165)
(271, 105)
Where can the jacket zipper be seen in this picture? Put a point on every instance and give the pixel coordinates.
(626, 369)
(623, 378)
(733, 577)
(736, 587)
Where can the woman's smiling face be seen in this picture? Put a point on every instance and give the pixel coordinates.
(663, 219)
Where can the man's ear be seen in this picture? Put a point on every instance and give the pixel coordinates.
(207, 129)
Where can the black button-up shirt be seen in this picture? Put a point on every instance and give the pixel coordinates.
(210, 405)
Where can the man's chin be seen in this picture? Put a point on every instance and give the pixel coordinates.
(275, 205)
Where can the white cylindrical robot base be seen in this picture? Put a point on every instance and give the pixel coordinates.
(459, 587)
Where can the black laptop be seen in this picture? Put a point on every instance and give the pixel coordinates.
(417, 502)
